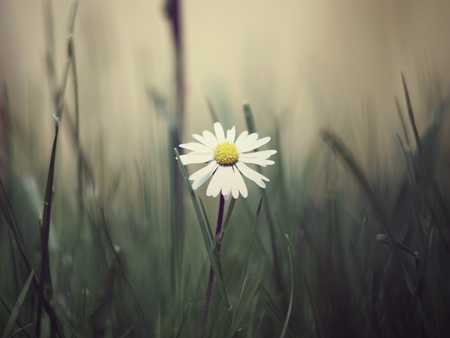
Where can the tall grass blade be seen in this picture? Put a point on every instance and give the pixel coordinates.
(313, 306)
(247, 255)
(248, 303)
(212, 111)
(10, 217)
(8, 213)
(46, 288)
(271, 308)
(242, 283)
(291, 296)
(337, 145)
(122, 270)
(183, 321)
(209, 244)
(229, 211)
(208, 224)
(277, 264)
(345, 154)
(249, 118)
(411, 116)
(16, 309)
(402, 121)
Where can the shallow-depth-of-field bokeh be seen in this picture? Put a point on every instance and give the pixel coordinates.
(101, 234)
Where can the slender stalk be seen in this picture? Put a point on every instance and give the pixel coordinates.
(217, 240)
(173, 12)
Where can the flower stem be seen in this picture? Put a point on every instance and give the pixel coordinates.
(211, 271)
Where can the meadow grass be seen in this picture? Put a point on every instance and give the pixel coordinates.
(345, 247)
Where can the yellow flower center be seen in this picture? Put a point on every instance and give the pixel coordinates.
(226, 153)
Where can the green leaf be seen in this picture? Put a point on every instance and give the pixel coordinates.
(16, 309)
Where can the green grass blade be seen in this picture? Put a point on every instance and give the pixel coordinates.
(336, 144)
(183, 321)
(16, 309)
(127, 282)
(313, 307)
(10, 217)
(212, 111)
(243, 280)
(209, 244)
(229, 211)
(402, 121)
(44, 276)
(271, 308)
(291, 296)
(274, 237)
(247, 255)
(249, 301)
(249, 118)
(411, 116)
(208, 224)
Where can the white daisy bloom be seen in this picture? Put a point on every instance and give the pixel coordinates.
(225, 157)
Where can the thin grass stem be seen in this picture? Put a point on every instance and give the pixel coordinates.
(211, 271)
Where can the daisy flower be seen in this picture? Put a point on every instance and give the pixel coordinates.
(225, 157)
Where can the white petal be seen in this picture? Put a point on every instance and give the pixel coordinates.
(209, 142)
(219, 132)
(251, 174)
(202, 175)
(215, 185)
(243, 143)
(210, 138)
(238, 185)
(261, 162)
(231, 134)
(195, 158)
(196, 147)
(242, 136)
(263, 154)
(253, 145)
(227, 180)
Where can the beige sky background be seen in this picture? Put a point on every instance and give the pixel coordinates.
(312, 64)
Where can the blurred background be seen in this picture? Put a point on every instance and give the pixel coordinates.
(304, 66)
(319, 63)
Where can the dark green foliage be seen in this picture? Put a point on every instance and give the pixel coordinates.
(333, 250)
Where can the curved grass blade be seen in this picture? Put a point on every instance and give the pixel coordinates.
(212, 111)
(16, 309)
(271, 308)
(127, 282)
(184, 318)
(277, 261)
(250, 301)
(10, 217)
(44, 276)
(337, 145)
(291, 296)
(209, 244)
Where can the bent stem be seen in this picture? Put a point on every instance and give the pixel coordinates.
(217, 240)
